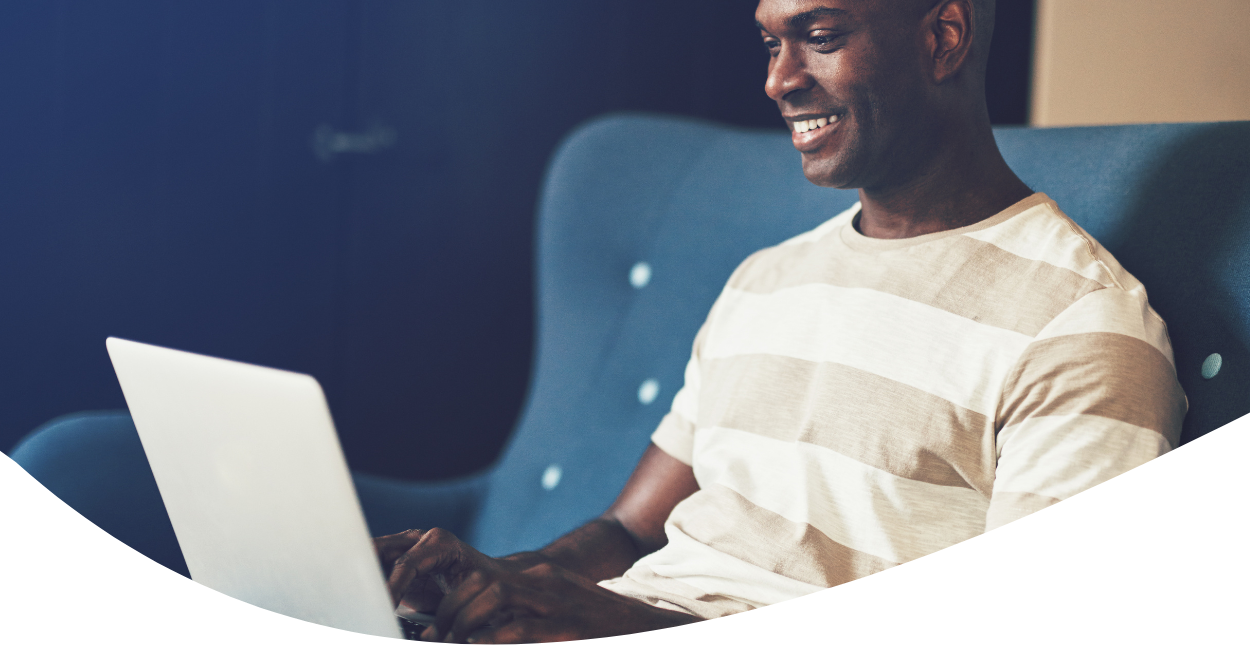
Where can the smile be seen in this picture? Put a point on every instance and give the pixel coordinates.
(804, 126)
(811, 135)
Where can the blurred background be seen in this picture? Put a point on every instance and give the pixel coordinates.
(347, 187)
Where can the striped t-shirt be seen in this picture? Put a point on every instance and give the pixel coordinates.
(855, 403)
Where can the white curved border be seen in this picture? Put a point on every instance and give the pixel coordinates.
(1154, 559)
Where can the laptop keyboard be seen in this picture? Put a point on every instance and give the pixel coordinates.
(412, 631)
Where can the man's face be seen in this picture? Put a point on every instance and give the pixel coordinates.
(856, 67)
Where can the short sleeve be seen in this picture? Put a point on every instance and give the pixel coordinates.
(1094, 395)
(675, 434)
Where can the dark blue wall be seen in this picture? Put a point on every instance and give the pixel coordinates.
(158, 182)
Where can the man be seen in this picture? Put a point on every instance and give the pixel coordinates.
(948, 355)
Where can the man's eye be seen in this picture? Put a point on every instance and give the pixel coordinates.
(772, 46)
(820, 39)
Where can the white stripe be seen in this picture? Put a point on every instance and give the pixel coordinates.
(686, 560)
(1042, 233)
(1061, 456)
(952, 357)
(856, 505)
(1111, 310)
(675, 439)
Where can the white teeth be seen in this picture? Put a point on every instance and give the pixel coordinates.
(804, 126)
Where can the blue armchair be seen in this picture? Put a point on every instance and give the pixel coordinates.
(642, 220)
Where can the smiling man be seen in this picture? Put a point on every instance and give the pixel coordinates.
(950, 354)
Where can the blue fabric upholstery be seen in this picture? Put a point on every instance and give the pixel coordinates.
(94, 462)
(692, 199)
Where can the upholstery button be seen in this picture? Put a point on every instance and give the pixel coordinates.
(551, 477)
(648, 390)
(1211, 365)
(640, 275)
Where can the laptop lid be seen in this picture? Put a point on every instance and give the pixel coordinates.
(250, 469)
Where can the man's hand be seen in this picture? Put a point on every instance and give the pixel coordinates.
(540, 604)
(423, 566)
(550, 594)
(519, 599)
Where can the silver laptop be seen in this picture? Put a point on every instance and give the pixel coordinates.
(252, 475)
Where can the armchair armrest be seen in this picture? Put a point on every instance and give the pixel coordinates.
(94, 462)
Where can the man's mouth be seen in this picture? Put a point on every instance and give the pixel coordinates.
(804, 126)
(810, 134)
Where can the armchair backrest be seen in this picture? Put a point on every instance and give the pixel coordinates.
(643, 218)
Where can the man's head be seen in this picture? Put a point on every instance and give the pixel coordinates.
(894, 81)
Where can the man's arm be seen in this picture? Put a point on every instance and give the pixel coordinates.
(631, 528)
(548, 594)
(1093, 396)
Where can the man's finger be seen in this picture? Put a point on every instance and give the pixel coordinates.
(451, 604)
(403, 572)
(495, 604)
(499, 604)
(391, 546)
(422, 596)
(433, 552)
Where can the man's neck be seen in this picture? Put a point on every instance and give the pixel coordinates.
(965, 182)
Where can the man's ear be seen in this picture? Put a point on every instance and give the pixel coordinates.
(951, 31)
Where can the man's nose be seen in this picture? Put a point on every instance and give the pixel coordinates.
(788, 73)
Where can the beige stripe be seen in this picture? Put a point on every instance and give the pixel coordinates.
(1007, 506)
(879, 422)
(966, 277)
(1112, 310)
(1100, 374)
(1046, 233)
(857, 505)
(734, 525)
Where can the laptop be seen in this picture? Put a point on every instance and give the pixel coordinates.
(251, 472)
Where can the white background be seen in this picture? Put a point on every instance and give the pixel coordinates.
(1153, 559)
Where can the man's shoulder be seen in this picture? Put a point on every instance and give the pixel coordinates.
(1104, 298)
(1045, 235)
